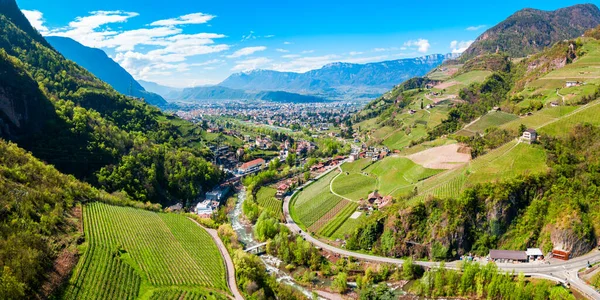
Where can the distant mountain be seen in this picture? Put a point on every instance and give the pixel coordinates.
(98, 63)
(338, 80)
(530, 30)
(224, 93)
(166, 92)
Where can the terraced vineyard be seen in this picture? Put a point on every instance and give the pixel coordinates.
(340, 218)
(182, 295)
(266, 198)
(330, 215)
(131, 252)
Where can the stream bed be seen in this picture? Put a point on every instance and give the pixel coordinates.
(245, 233)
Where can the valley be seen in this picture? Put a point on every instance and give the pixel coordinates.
(397, 174)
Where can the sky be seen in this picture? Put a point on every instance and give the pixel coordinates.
(185, 43)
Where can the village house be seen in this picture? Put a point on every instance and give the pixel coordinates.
(554, 104)
(218, 193)
(529, 136)
(204, 209)
(534, 254)
(282, 190)
(263, 143)
(251, 166)
(572, 84)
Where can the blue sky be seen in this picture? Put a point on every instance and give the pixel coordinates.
(189, 42)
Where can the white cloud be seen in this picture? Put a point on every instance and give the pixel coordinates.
(354, 53)
(460, 46)
(251, 64)
(307, 51)
(287, 43)
(380, 49)
(291, 56)
(249, 36)
(422, 44)
(282, 50)
(91, 30)
(36, 18)
(475, 28)
(304, 64)
(195, 18)
(247, 51)
(268, 36)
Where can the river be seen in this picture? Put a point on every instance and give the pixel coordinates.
(245, 233)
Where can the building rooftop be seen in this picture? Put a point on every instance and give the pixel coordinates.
(252, 163)
(508, 254)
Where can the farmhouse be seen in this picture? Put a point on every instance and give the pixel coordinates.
(508, 256)
(251, 166)
(282, 189)
(530, 136)
(572, 83)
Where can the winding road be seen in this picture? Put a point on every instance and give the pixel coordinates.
(229, 267)
(563, 272)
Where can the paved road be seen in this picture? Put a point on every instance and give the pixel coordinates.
(230, 268)
(557, 271)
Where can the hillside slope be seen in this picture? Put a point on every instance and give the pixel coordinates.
(67, 117)
(103, 67)
(530, 30)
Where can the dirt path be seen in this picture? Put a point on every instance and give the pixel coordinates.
(229, 267)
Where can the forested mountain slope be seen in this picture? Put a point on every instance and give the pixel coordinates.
(103, 67)
(530, 30)
(85, 128)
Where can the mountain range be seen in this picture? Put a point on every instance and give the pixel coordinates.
(342, 81)
(529, 31)
(98, 63)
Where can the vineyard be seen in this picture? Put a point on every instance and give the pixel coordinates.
(354, 186)
(266, 199)
(183, 295)
(332, 213)
(339, 220)
(131, 251)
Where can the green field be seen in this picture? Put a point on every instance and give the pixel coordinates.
(354, 186)
(492, 119)
(315, 201)
(506, 162)
(397, 174)
(347, 228)
(266, 199)
(135, 253)
(339, 220)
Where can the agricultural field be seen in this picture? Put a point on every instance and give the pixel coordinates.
(343, 205)
(339, 220)
(266, 199)
(453, 85)
(492, 119)
(315, 201)
(354, 186)
(134, 253)
(347, 228)
(396, 173)
(508, 161)
(444, 73)
(586, 114)
(540, 118)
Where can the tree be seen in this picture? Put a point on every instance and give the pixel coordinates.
(340, 283)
